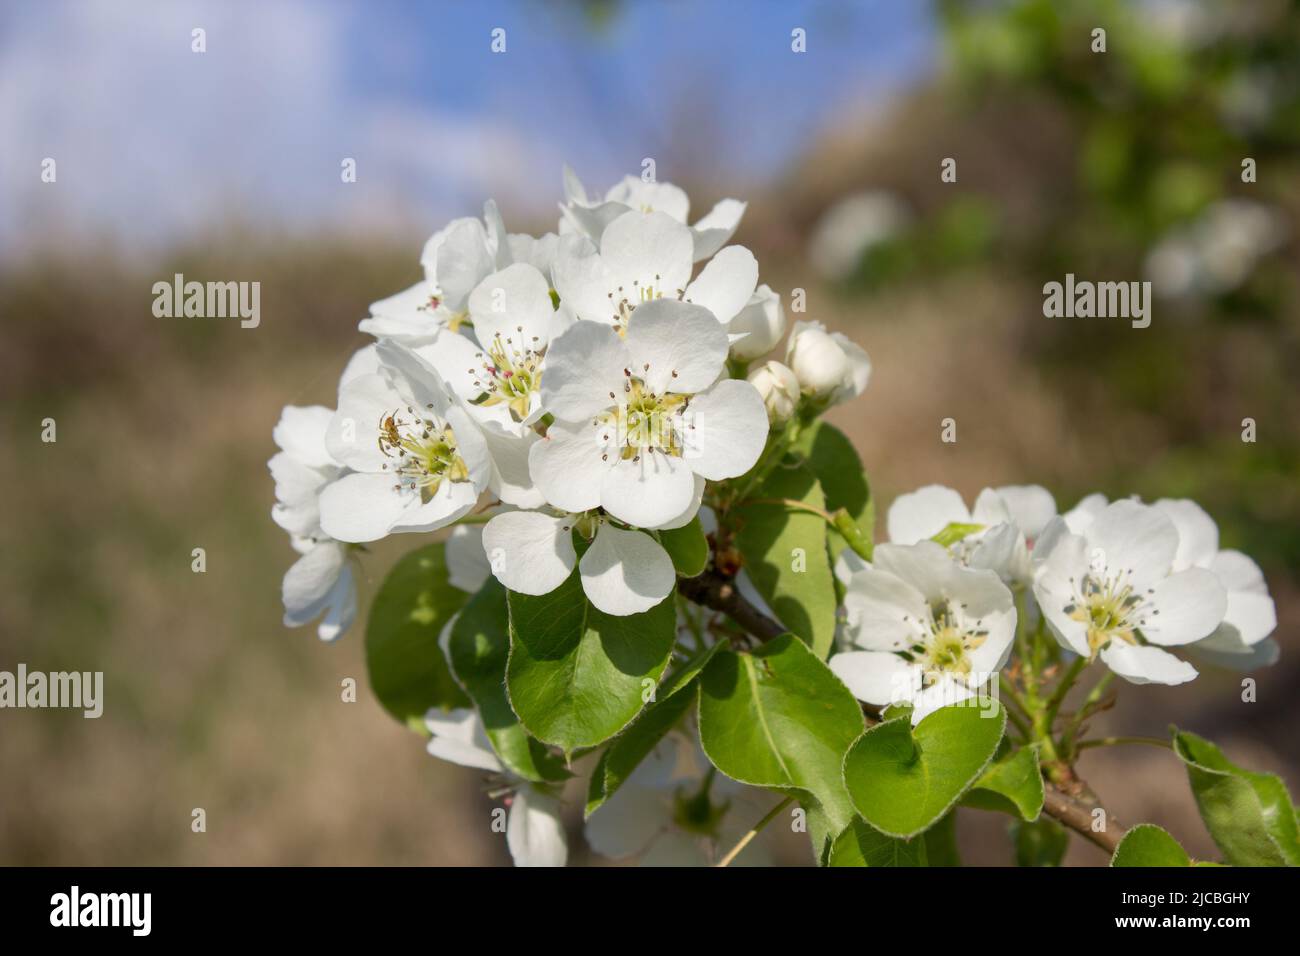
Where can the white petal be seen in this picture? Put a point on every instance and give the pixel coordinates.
(459, 737)
(649, 490)
(1198, 535)
(648, 251)
(925, 512)
(926, 566)
(628, 822)
(534, 831)
(297, 494)
(626, 572)
(1239, 572)
(1136, 538)
(945, 692)
(510, 448)
(362, 507)
(1031, 507)
(584, 368)
(584, 281)
(353, 432)
(726, 283)
(762, 321)
(717, 227)
(1064, 563)
(990, 509)
(1190, 603)
(528, 551)
(309, 583)
(341, 605)
(877, 677)
(514, 304)
(364, 361)
(725, 430)
(567, 468)
(1085, 512)
(453, 500)
(859, 368)
(467, 562)
(462, 262)
(683, 345)
(458, 360)
(301, 433)
(1146, 665)
(636, 193)
(689, 512)
(1250, 617)
(885, 613)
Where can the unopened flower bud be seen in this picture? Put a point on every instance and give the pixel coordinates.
(827, 364)
(779, 388)
(763, 318)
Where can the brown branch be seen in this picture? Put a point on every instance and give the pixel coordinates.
(714, 590)
(1078, 817)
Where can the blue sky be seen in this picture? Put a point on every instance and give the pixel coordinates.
(156, 143)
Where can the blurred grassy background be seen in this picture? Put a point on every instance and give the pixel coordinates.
(1065, 163)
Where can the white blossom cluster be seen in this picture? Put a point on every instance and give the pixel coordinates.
(576, 392)
(931, 620)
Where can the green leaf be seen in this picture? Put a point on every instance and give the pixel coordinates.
(408, 671)
(903, 779)
(1148, 845)
(778, 717)
(1013, 785)
(1249, 815)
(688, 547)
(577, 676)
(626, 751)
(955, 531)
(862, 845)
(479, 646)
(1040, 843)
(786, 557)
(835, 462)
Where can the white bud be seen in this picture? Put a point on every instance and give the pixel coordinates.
(764, 319)
(828, 364)
(779, 388)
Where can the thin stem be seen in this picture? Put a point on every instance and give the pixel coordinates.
(1079, 817)
(754, 831)
(792, 503)
(1063, 688)
(1085, 710)
(1117, 741)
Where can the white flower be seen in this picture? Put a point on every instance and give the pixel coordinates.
(590, 218)
(1001, 528)
(932, 631)
(778, 388)
(761, 323)
(673, 811)
(1113, 589)
(418, 459)
(828, 365)
(623, 571)
(455, 259)
(1243, 637)
(467, 562)
(320, 583)
(643, 257)
(534, 830)
(643, 420)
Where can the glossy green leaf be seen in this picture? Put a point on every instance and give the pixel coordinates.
(408, 671)
(862, 845)
(833, 459)
(626, 751)
(904, 779)
(687, 546)
(577, 676)
(1148, 845)
(786, 555)
(478, 647)
(1249, 815)
(1040, 843)
(778, 717)
(1012, 784)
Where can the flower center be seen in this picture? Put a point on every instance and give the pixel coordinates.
(425, 452)
(511, 373)
(1109, 606)
(946, 646)
(644, 421)
(626, 300)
